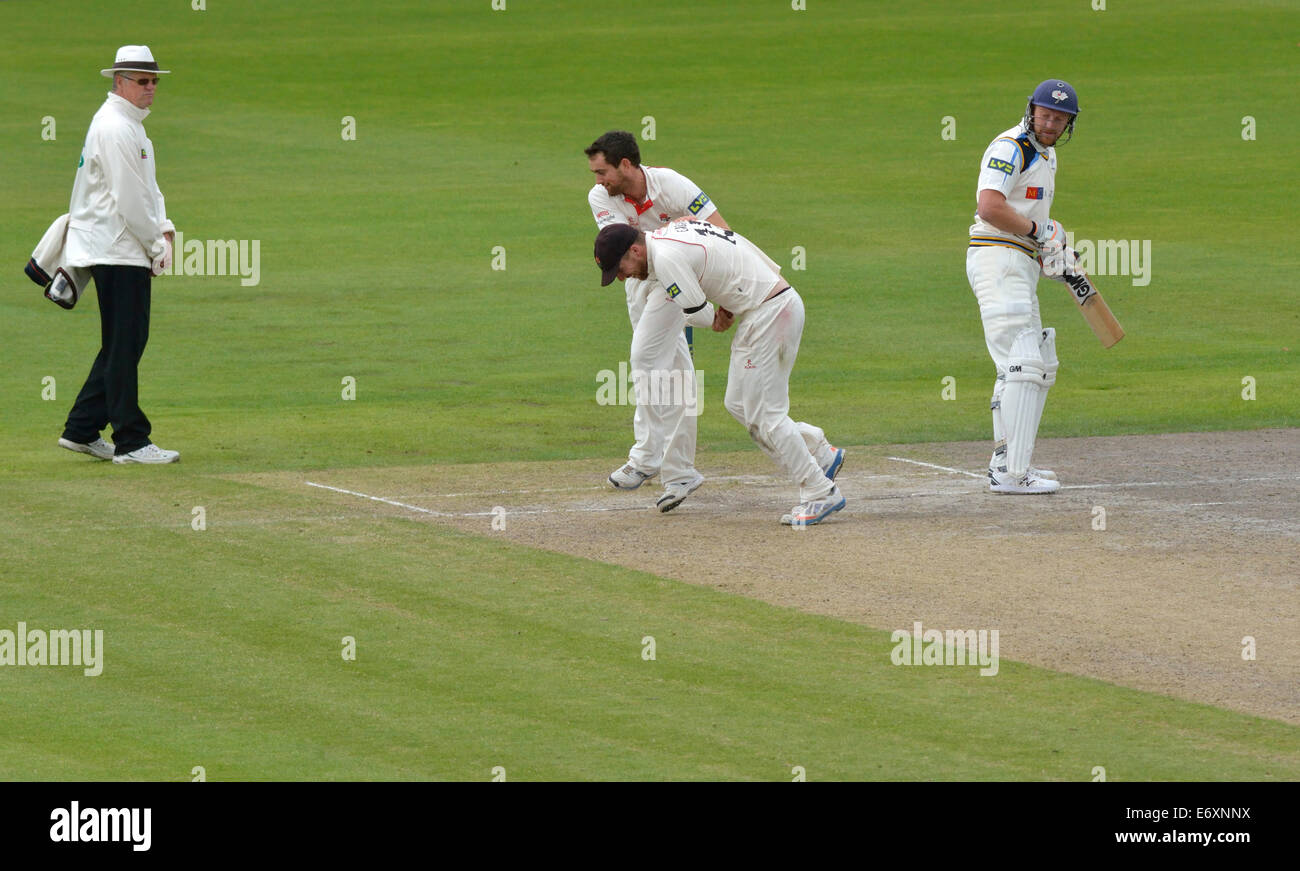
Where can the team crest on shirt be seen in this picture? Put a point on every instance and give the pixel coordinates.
(1033, 193)
(602, 214)
(663, 216)
(143, 156)
(1001, 165)
(698, 203)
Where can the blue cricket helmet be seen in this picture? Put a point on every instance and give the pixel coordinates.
(1058, 95)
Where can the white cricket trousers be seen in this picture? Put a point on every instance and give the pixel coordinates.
(664, 423)
(1004, 281)
(758, 390)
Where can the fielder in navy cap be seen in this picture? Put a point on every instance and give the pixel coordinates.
(611, 244)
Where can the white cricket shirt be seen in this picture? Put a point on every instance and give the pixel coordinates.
(668, 194)
(1025, 173)
(697, 262)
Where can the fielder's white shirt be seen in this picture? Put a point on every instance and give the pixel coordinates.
(117, 215)
(698, 262)
(1024, 172)
(668, 195)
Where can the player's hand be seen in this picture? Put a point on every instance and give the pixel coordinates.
(163, 261)
(1050, 237)
(722, 320)
(1060, 265)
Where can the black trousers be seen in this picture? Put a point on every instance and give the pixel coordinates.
(111, 392)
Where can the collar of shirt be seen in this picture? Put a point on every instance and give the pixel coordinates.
(126, 107)
(651, 191)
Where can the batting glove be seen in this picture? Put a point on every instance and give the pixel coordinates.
(1059, 265)
(1050, 235)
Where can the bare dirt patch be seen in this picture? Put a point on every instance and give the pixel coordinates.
(1201, 547)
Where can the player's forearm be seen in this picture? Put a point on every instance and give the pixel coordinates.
(716, 220)
(701, 318)
(1001, 215)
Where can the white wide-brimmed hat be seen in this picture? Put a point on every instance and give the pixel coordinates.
(137, 58)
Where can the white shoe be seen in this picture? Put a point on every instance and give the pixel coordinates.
(1026, 486)
(1045, 474)
(97, 448)
(629, 477)
(675, 494)
(149, 454)
(808, 513)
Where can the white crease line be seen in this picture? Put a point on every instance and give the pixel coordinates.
(943, 468)
(466, 514)
(380, 499)
(1195, 483)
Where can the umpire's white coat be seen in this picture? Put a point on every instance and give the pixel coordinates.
(117, 215)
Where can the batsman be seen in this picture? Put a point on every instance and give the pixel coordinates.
(1013, 235)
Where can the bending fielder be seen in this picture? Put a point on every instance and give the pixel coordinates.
(698, 263)
(648, 197)
(1013, 235)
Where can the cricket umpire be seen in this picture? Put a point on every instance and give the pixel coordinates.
(1013, 235)
(118, 228)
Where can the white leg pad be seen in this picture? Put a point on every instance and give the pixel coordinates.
(998, 462)
(1021, 400)
(1047, 349)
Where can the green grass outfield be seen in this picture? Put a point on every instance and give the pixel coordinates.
(819, 129)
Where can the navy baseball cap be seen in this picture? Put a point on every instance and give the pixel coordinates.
(611, 244)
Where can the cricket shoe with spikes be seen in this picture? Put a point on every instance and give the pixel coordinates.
(808, 513)
(998, 463)
(1045, 474)
(629, 477)
(675, 494)
(1027, 485)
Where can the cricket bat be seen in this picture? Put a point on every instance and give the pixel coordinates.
(1094, 308)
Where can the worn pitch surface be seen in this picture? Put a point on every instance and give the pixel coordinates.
(1196, 550)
